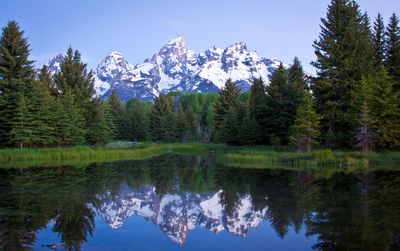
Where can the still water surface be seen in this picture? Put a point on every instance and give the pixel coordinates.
(190, 203)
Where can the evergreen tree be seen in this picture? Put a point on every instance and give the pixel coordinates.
(385, 111)
(297, 78)
(280, 108)
(249, 132)
(43, 124)
(229, 130)
(16, 76)
(257, 105)
(138, 121)
(162, 119)
(98, 131)
(181, 124)
(305, 130)
(393, 50)
(46, 79)
(74, 76)
(228, 98)
(116, 109)
(21, 130)
(110, 126)
(378, 40)
(365, 137)
(344, 55)
(72, 122)
(191, 121)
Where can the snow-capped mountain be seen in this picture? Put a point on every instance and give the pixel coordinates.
(176, 214)
(54, 64)
(176, 68)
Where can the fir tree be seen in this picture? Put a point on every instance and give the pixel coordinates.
(393, 50)
(74, 76)
(162, 119)
(46, 79)
(344, 55)
(21, 130)
(116, 110)
(257, 99)
(385, 112)
(110, 125)
(72, 122)
(228, 131)
(191, 121)
(138, 121)
(257, 105)
(365, 137)
(228, 98)
(280, 107)
(181, 124)
(378, 40)
(99, 131)
(305, 130)
(16, 75)
(249, 132)
(43, 132)
(297, 77)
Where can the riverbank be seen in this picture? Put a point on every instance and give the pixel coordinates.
(265, 158)
(243, 156)
(10, 158)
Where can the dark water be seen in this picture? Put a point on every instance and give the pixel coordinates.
(190, 203)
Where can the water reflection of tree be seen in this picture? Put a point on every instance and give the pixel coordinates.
(73, 224)
(344, 211)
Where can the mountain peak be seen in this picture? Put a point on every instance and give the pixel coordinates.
(115, 54)
(240, 47)
(175, 46)
(180, 39)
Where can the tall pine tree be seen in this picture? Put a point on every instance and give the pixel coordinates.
(384, 109)
(297, 78)
(21, 125)
(280, 108)
(344, 56)
(16, 76)
(393, 50)
(162, 119)
(305, 130)
(227, 100)
(378, 41)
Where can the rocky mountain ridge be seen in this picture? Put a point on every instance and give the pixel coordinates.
(176, 214)
(176, 68)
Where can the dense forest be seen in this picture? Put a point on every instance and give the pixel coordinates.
(352, 102)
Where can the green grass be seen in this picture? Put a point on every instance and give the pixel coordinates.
(19, 157)
(244, 156)
(259, 158)
(84, 154)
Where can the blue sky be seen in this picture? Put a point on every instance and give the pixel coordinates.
(138, 29)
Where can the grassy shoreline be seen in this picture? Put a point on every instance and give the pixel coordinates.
(245, 157)
(10, 158)
(319, 159)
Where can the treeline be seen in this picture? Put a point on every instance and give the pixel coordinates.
(42, 110)
(353, 102)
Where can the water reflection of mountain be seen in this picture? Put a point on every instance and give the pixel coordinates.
(345, 211)
(176, 214)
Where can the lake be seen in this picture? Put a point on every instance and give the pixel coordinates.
(175, 202)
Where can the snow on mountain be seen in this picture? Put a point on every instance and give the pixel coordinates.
(176, 214)
(54, 64)
(176, 68)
